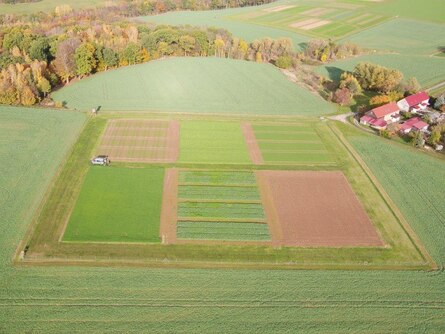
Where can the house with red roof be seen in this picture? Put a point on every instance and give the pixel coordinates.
(413, 124)
(380, 117)
(414, 103)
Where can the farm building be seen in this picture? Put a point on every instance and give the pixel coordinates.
(414, 124)
(414, 103)
(380, 117)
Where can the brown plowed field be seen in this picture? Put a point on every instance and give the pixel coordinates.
(133, 140)
(252, 144)
(314, 209)
(167, 229)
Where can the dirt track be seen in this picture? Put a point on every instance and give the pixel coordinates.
(252, 144)
(314, 209)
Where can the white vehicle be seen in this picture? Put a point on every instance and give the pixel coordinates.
(101, 160)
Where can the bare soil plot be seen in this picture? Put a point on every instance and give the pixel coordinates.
(314, 209)
(278, 8)
(252, 144)
(303, 23)
(167, 229)
(133, 140)
(317, 24)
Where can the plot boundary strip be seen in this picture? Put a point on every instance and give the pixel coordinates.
(167, 228)
(252, 144)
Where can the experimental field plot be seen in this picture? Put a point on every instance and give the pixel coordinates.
(117, 205)
(133, 140)
(325, 19)
(315, 209)
(212, 142)
(286, 144)
(219, 205)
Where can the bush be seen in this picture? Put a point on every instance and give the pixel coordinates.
(284, 62)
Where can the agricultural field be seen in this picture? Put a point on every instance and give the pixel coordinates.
(212, 142)
(211, 206)
(427, 70)
(55, 299)
(324, 19)
(194, 85)
(392, 165)
(117, 204)
(187, 213)
(404, 36)
(47, 6)
(291, 144)
(140, 141)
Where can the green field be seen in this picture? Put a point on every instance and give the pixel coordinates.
(196, 85)
(47, 6)
(205, 85)
(118, 204)
(298, 144)
(407, 37)
(427, 70)
(56, 299)
(418, 195)
(212, 142)
(429, 10)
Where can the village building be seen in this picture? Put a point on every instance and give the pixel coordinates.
(414, 103)
(413, 124)
(380, 117)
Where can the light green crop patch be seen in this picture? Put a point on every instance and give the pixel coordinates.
(212, 142)
(118, 205)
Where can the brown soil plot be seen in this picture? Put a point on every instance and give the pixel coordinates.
(133, 140)
(167, 229)
(315, 209)
(252, 144)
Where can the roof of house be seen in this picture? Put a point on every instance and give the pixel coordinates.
(386, 109)
(378, 122)
(420, 125)
(418, 98)
(366, 118)
(409, 124)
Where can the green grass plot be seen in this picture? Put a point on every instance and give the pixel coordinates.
(118, 205)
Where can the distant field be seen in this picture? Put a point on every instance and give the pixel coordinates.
(118, 204)
(428, 70)
(196, 85)
(47, 5)
(218, 18)
(212, 142)
(401, 35)
(427, 10)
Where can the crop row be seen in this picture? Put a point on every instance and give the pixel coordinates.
(218, 192)
(223, 210)
(223, 231)
(217, 177)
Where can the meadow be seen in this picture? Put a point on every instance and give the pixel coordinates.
(118, 204)
(427, 70)
(56, 299)
(194, 85)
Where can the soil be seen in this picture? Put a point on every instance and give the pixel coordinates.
(167, 229)
(314, 209)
